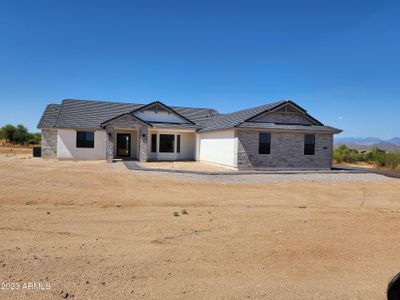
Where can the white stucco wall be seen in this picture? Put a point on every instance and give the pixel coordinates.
(188, 145)
(219, 147)
(66, 146)
(160, 116)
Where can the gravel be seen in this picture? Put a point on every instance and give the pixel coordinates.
(281, 178)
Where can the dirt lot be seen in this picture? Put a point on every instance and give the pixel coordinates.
(99, 231)
(185, 165)
(15, 151)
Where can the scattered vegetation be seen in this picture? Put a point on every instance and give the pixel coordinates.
(176, 214)
(184, 212)
(378, 157)
(18, 135)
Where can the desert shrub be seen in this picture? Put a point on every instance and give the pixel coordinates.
(345, 154)
(389, 160)
(34, 139)
(376, 156)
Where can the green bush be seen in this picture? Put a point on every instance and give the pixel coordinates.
(376, 156)
(345, 154)
(389, 160)
(34, 139)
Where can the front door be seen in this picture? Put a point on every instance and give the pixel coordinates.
(123, 144)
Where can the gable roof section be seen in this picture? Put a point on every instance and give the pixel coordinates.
(124, 115)
(49, 117)
(289, 127)
(234, 119)
(166, 107)
(244, 119)
(285, 104)
(90, 114)
(86, 114)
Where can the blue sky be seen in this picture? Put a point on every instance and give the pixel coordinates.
(340, 60)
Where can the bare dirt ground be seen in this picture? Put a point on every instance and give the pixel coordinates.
(99, 231)
(15, 151)
(184, 165)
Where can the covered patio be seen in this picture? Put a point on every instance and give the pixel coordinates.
(130, 138)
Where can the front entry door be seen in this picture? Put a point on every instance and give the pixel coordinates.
(123, 144)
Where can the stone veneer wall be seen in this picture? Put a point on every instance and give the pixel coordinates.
(126, 122)
(287, 151)
(49, 143)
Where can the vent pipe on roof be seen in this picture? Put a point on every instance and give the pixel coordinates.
(210, 114)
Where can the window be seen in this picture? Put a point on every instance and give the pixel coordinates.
(85, 139)
(264, 143)
(309, 144)
(154, 143)
(167, 143)
(178, 144)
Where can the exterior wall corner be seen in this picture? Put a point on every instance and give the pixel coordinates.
(49, 143)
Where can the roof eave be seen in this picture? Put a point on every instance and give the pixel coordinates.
(165, 106)
(305, 129)
(102, 125)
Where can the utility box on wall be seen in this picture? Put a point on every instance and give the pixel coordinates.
(37, 151)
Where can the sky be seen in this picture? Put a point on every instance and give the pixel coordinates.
(340, 60)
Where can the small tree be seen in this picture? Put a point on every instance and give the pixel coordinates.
(21, 134)
(7, 133)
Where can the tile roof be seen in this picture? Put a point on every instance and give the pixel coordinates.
(300, 127)
(49, 117)
(89, 114)
(233, 119)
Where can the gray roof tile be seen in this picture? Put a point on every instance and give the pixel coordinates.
(233, 119)
(89, 114)
(268, 126)
(49, 117)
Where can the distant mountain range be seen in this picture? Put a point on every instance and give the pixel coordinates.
(367, 143)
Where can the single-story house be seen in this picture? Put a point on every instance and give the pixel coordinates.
(275, 135)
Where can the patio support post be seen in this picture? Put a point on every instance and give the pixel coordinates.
(109, 146)
(143, 138)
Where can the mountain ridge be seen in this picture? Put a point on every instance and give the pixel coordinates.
(367, 143)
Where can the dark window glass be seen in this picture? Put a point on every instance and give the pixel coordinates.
(178, 144)
(264, 145)
(85, 139)
(154, 143)
(167, 143)
(309, 144)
